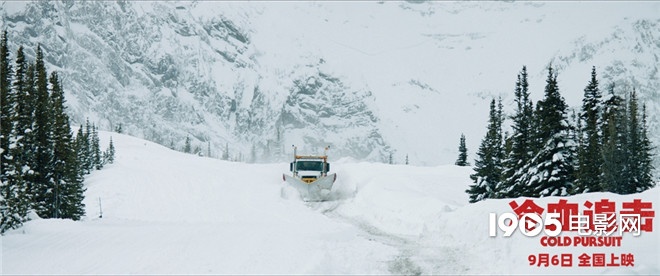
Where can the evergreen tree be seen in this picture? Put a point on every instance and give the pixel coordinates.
(26, 102)
(88, 152)
(589, 152)
(81, 145)
(43, 145)
(462, 153)
(518, 147)
(23, 87)
(187, 148)
(110, 153)
(97, 157)
(13, 199)
(639, 149)
(645, 157)
(67, 183)
(615, 170)
(551, 171)
(488, 166)
(7, 103)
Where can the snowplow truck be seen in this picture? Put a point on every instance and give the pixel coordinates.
(310, 176)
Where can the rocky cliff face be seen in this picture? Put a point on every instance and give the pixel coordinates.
(167, 70)
(367, 79)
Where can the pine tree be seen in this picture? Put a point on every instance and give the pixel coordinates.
(551, 171)
(639, 149)
(7, 103)
(110, 152)
(518, 146)
(67, 183)
(462, 153)
(488, 166)
(187, 148)
(26, 102)
(645, 157)
(43, 145)
(61, 134)
(13, 198)
(615, 169)
(23, 87)
(97, 157)
(81, 145)
(88, 151)
(589, 152)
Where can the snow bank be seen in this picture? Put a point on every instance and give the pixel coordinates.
(166, 212)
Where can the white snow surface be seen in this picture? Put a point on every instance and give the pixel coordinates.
(166, 212)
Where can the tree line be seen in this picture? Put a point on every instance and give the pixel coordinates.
(603, 148)
(42, 163)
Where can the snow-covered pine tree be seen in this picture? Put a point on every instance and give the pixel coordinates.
(551, 171)
(7, 110)
(634, 143)
(67, 181)
(645, 157)
(462, 153)
(97, 156)
(590, 151)
(88, 152)
(13, 200)
(110, 152)
(24, 90)
(615, 170)
(187, 148)
(488, 165)
(518, 150)
(81, 145)
(42, 197)
(639, 148)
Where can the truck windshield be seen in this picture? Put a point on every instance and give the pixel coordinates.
(309, 166)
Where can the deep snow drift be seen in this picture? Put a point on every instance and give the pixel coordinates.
(166, 212)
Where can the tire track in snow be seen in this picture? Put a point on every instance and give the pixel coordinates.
(400, 264)
(415, 257)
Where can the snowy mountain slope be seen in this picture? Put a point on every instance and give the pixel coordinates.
(165, 212)
(229, 72)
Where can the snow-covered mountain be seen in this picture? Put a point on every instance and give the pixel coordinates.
(367, 78)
